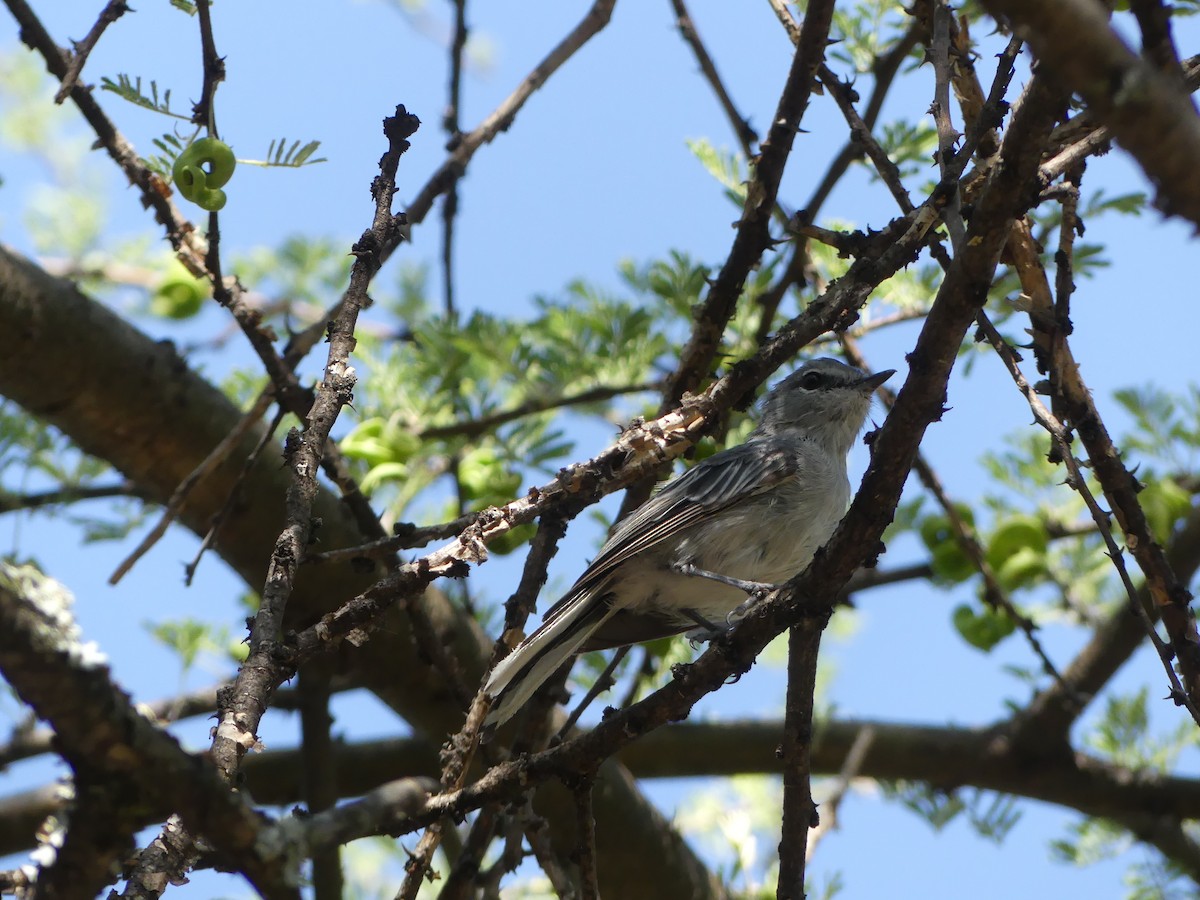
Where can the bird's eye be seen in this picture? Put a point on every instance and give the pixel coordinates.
(811, 381)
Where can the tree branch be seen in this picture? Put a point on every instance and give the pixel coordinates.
(795, 752)
(1148, 113)
(82, 368)
(104, 738)
(80, 50)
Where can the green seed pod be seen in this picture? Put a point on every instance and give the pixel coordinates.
(202, 170)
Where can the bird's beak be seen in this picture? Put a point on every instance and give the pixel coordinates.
(873, 381)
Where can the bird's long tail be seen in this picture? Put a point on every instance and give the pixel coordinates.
(536, 658)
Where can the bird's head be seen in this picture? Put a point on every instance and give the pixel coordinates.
(825, 399)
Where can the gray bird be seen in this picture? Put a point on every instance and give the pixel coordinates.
(756, 512)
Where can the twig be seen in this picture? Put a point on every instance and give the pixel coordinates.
(1064, 256)
(885, 69)
(510, 857)
(207, 466)
(185, 238)
(947, 135)
(69, 494)
(585, 854)
(543, 850)
(460, 749)
(602, 684)
(795, 753)
(542, 549)
(643, 671)
(785, 19)
(850, 769)
(460, 883)
(501, 118)
(112, 11)
(746, 135)
(860, 133)
(1078, 482)
(753, 234)
(1149, 115)
(968, 541)
(456, 759)
(1072, 405)
(203, 113)
(407, 536)
(240, 717)
(951, 168)
(484, 424)
(232, 499)
(320, 772)
(453, 133)
(451, 126)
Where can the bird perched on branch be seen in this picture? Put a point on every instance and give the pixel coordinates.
(750, 515)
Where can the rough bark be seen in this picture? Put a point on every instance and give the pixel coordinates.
(135, 403)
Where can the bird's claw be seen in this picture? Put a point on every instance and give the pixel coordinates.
(757, 595)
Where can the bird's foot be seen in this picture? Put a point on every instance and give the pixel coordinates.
(705, 630)
(756, 592)
(750, 587)
(757, 595)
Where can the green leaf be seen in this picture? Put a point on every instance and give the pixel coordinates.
(950, 563)
(1165, 504)
(163, 163)
(188, 638)
(486, 479)
(282, 155)
(1016, 551)
(729, 169)
(131, 90)
(937, 808)
(180, 295)
(983, 629)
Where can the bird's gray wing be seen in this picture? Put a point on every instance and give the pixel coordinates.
(700, 493)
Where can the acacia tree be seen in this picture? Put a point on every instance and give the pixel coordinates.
(972, 260)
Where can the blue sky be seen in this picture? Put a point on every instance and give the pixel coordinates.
(596, 170)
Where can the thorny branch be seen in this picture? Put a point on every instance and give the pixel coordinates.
(250, 693)
(80, 50)
(1077, 480)
(243, 706)
(641, 448)
(993, 594)
(965, 285)
(1147, 112)
(42, 658)
(795, 752)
